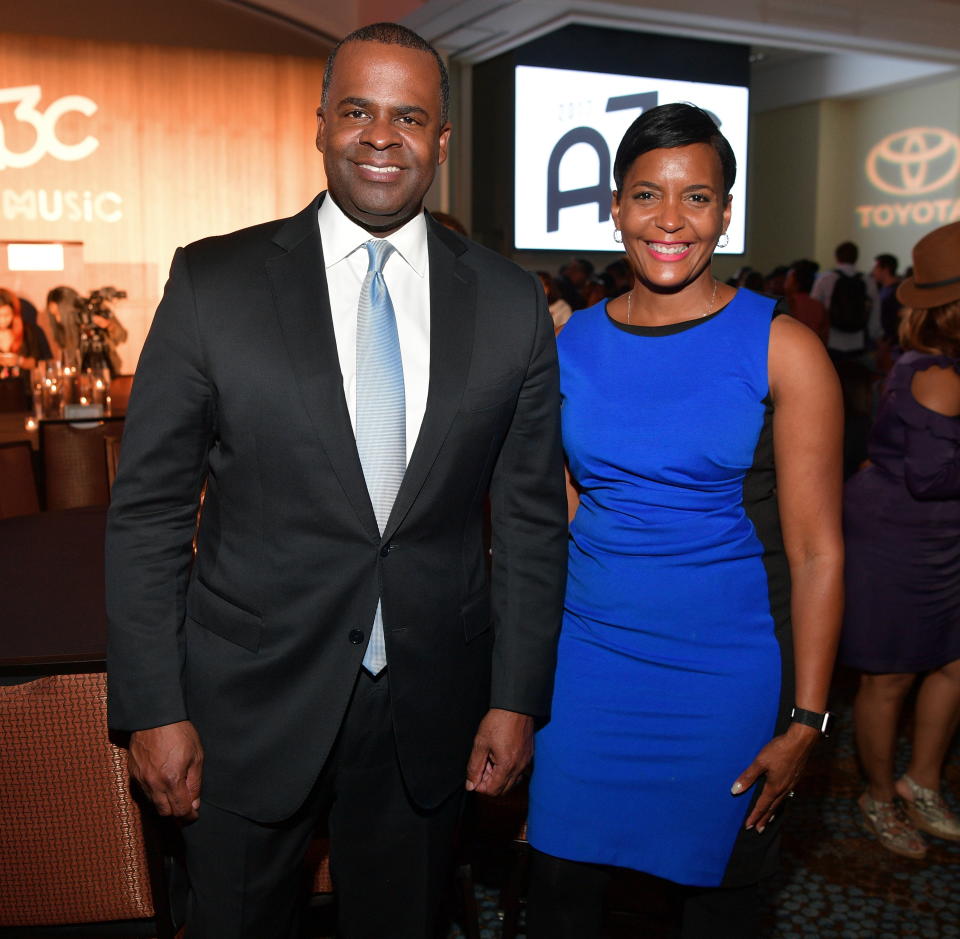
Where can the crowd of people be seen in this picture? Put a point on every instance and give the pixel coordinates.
(578, 285)
(808, 291)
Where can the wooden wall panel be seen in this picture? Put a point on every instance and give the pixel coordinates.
(295, 132)
(192, 142)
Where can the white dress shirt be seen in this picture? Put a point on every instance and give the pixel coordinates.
(407, 274)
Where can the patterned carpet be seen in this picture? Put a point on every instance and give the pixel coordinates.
(836, 882)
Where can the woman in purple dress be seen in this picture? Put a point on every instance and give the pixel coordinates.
(902, 529)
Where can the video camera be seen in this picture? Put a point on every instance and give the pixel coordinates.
(96, 304)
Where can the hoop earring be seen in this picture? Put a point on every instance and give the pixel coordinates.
(618, 236)
(725, 238)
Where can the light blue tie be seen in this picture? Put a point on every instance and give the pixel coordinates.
(381, 410)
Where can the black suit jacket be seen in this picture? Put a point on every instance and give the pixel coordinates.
(256, 642)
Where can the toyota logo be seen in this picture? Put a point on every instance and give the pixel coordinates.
(915, 161)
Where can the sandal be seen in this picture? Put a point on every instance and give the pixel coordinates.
(928, 812)
(892, 831)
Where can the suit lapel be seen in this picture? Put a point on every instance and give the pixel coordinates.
(453, 299)
(303, 309)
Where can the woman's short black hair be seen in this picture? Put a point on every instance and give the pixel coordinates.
(674, 125)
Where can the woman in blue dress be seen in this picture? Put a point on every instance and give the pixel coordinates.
(703, 439)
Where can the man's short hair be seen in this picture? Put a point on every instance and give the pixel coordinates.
(805, 271)
(391, 34)
(888, 262)
(847, 253)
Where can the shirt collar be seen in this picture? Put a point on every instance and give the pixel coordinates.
(342, 236)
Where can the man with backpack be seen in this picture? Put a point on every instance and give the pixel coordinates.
(852, 302)
(853, 307)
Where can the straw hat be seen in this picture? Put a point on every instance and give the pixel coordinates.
(936, 270)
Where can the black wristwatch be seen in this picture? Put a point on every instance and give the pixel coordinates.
(822, 722)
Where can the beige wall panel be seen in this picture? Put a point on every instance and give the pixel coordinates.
(836, 176)
(783, 186)
(191, 142)
(299, 166)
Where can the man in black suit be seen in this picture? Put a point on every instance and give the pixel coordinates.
(252, 679)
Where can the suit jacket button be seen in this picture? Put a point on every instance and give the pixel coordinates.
(385, 550)
(356, 636)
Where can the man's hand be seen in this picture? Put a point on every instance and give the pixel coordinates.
(167, 761)
(502, 750)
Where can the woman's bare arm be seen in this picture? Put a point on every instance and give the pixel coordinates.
(808, 436)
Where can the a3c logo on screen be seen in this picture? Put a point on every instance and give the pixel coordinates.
(598, 193)
(915, 161)
(558, 198)
(44, 124)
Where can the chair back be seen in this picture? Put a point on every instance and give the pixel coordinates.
(111, 447)
(13, 394)
(317, 862)
(74, 461)
(73, 845)
(120, 388)
(18, 485)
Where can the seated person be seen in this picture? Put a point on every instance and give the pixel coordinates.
(20, 348)
(20, 342)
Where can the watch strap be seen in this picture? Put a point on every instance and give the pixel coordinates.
(821, 722)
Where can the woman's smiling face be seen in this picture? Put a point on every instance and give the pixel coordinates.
(671, 211)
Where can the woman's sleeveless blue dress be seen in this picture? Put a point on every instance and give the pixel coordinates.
(675, 662)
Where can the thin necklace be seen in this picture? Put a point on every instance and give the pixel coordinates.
(706, 312)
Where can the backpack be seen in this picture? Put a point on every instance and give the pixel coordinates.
(849, 304)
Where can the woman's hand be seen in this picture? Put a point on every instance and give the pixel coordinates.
(782, 761)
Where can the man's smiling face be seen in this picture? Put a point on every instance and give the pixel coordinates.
(380, 132)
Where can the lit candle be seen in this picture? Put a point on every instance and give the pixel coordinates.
(30, 423)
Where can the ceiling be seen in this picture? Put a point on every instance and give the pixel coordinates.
(803, 49)
(927, 29)
(217, 24)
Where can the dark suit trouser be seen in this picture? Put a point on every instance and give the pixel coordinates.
(565, 901)
(390, 860)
